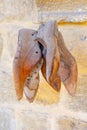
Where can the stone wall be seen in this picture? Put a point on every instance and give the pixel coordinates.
(62, 10)
(50, 110)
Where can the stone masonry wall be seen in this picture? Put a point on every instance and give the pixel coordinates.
(50, 110)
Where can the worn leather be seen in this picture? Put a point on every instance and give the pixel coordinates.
(27, 57)
(67, 71)
(47, 35)
(43, 49)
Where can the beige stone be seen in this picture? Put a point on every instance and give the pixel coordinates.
(30, 120)
(50, 110)
(38, 10)
(1, 45)
(49, 5)
(6, 76)
(15, 10)
(62, 10)
(71, 124)
(6, 119)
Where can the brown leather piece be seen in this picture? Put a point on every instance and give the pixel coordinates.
(67, 71)
(55, 82)
(27, 56)
(46, 45)
(47, 36)
(65, 65)
(32, 82)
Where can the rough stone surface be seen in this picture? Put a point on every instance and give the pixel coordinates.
(32, 121)
(43, 10)
(62, 11)
(6, 119)
(62, 5)
(1, 45)
(71, 124)
(15, 10)
(50, 110)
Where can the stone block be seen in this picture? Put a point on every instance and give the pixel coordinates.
(16, 10)
(71, 124)
(30, 120)
(7, 92)
(58, 5)
(77, 102)
(1, 44)
(7, 119)
(62, 11)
